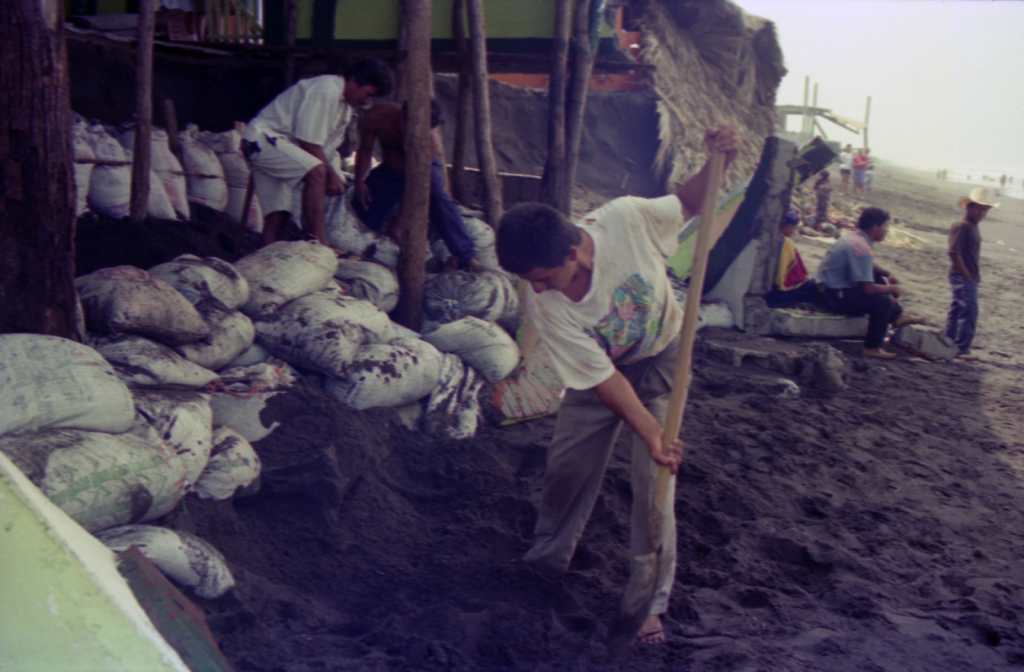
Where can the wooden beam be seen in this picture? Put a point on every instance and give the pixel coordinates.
(482, 112)
(142, 159)
(554, 188)
(579, 84)
(463, 103)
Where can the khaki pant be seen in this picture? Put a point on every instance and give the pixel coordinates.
(583, 442)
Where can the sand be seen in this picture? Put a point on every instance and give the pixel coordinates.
(877, 528)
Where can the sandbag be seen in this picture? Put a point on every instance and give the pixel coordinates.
(243, 413)
(369, 280)
(127, 300)
(284, 271)
(231, 334)
(184, 421)
(101, 480)
(346, 232)
(83, 165)
(206, 279)
(483, 345)
(388, 375)
(323, 331)
(203, 172)
(228, 148)
(453, 408)
(254, 354)
(110, 187)
(233, 466)
(451, 296)
(166, 166)
(273, 374)
(49, 382)
(145, 363)
(484, 250)
(185, 558)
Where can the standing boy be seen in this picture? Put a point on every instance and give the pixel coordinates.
(965, 268)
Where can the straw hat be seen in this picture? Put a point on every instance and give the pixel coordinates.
(981, 196)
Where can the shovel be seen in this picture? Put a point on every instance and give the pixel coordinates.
(633, 613)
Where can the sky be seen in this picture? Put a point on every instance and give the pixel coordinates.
(943, 75)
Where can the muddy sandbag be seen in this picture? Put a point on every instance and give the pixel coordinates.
(184, 421)
(203, 173)
(231, 334)
(346, 232)
(185, 558)
(128, 300)
(284, 271)
(243, 412)
(452, 296)
(273, 374)
(49, 382)
(453, 408)
(84, 155)
(110, 186)
(233, 466)
(145, 363)
(206, 279)
(254, 354)
(485, 346)
(369, 280)
(388, 375)
(323, 331)
(228, 148)
(484, 249)
(99, 479)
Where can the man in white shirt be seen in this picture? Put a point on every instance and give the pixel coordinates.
(603, 307)
(845, 167)
(295, 138)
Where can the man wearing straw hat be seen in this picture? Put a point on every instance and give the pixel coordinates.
(965, 268)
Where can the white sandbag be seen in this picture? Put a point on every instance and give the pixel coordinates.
(347, 232)
(273, 374)
(231, 334)
(453, 408)
(101, 480)
(323, 331)
(244, 413)
(184, 420)
(483, 345)
(145, 363)
(185, 558)
(233, 466)
(369, 280)
(484, 250)
(400, 331)
(283, 271)
(206, 279)
(110, 187)
(159, 204)
(83, 167)
(451, 296)
(228, 148)
(166, 166)
(127, 300)
(47, 381)
(203, 172)
(254, 354)
(388, 375)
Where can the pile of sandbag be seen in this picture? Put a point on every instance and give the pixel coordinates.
(203, 171)
(228, 148)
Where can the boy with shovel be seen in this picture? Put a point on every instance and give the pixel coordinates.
(603, 307)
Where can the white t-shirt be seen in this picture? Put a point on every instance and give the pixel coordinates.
(311, 110)
(846, 160)
(630, 312)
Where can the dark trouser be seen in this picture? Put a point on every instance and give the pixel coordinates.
(386, 185)
(805, 293)
(880, 309)
(963, 312)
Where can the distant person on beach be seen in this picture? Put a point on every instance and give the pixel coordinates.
(845, 167)
(965, 268)
(379, 191)
(793, 285)
(860, 169)
(295, 139)
(855, 285)
(602, 305)
(869, 172)
(823, 196)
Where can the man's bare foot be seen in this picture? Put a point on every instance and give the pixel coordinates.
(652, 632)
(879, 353)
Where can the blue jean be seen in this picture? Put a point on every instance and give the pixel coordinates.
(963, 312)
(805, 293)
(386, 186)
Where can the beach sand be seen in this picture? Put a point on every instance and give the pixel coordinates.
(876, 528)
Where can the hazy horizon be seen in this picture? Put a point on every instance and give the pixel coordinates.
(940, 74)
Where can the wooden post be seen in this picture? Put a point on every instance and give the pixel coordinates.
(554, 188)
(806, 117)
(867, 117)
(171, 124)
(141, 160)
(576, 103)
(291, 27)
(416, 195)
(482, 113)
(463, 102)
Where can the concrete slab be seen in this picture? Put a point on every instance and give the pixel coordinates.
(809, 324)
(926, 342)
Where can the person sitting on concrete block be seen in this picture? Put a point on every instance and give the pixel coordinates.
(793, 285)
(855, 285)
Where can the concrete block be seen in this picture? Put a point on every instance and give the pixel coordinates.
(926, 342)
(806, 324)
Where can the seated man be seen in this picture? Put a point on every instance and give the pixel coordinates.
(855, 285)
(294, 138)
(792, 283)
(379, 191)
